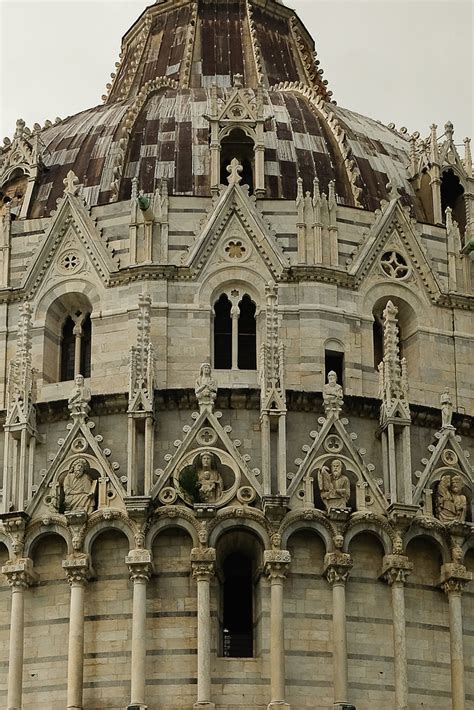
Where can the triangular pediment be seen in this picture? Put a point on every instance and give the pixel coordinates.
(72, 246)
(228, 478)
(393, 236)
(235, 231)
(446, 457)
(312, 482)
(238, 109)
(101, 489)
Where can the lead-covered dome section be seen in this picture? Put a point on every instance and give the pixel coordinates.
(169, 138)
(207, 42)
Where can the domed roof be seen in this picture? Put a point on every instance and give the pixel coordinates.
(181, 59)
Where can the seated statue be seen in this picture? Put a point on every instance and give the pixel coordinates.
(451, 503)
(78, 402)
(334, 485)
(79, 488)
(210, 483)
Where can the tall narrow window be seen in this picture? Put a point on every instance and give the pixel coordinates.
(452, 195)
(235, 332)
(247, 357)
(377, 337)
(238, 145)
(334, 361)
(223, 334)
(76, 346)
(237, 617)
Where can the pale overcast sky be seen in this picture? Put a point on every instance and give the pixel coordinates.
(406, 61)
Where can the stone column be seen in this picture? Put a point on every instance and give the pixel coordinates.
(395, 571)
(203, 563)
(19, 575)
(276, 567)
(235, 315)
(140, 569)
(454, 577)
(77, 571)
(337, 566)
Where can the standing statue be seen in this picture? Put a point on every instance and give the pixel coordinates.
(446, 410)
(451, 503)
(334, 485)
(210, 483)
(78, 402)
(206, 388)
(333, 395)
(79, 488)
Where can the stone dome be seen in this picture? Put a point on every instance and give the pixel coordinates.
(180, 58)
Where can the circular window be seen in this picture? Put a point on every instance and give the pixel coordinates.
(236, 249)
(70, 262)
(394, 265)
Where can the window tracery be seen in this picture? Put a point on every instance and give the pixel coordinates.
(235, 332)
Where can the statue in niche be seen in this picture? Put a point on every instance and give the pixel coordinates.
(206, 388)
(79, 488)
(333, 395)
(334, 485)
(446, 403)
(451, 503)
(78, 402)
(202, 481)
(209, 479)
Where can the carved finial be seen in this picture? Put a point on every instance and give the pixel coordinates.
(333, 396)
(78, 402)
(134, 193)
(238, 81)
(393, 380)
(234, 170)
(392, 191)
(206, 388)
(446, 404)
(449, 130)
(20, 128)
(272, 353)
(434, 152)
(20, 375)
(467, 156)
(316, 193)
(71, 183)
(332, 193)
(142, 361)
(449, 219)
(299, 190)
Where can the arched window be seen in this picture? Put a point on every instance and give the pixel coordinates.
(13, 192)
(235, 332)
(334, 360)
(237, 606)
(76, 346)
(452, 195)
(377, 339)
(238, 145)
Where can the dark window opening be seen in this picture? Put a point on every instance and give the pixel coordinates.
(68, 349)
(452, 195)
(247, 348)
(237, 619)
(377, 335)
(223, 334)
(238, 145)
(334, 361)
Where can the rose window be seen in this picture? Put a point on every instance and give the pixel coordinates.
(235, 249)
(394, 265)
(70, 261)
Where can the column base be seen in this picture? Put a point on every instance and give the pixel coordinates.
(204, 704)
(278, 705)
(343, 706)
(137, 706)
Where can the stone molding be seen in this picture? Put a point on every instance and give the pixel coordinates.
(139, 565)
(78, 570)
(454, 577)
(337, 567)
(20, 574)
(276, 563)
(203, 563)
(396, 569)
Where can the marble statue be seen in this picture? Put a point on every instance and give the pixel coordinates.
(334, 485)
(209, 480)
(79, 488)
(78, 402)
(446, 410)
(333, 395)
(451, 503)
(206, 388)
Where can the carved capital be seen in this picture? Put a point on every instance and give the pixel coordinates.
(78, 569)
(454, 578)
(139, 565)
(203, 563)
(276, 563)
(337, 567)
(396, 569)
(20, 574)
(14, 524)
